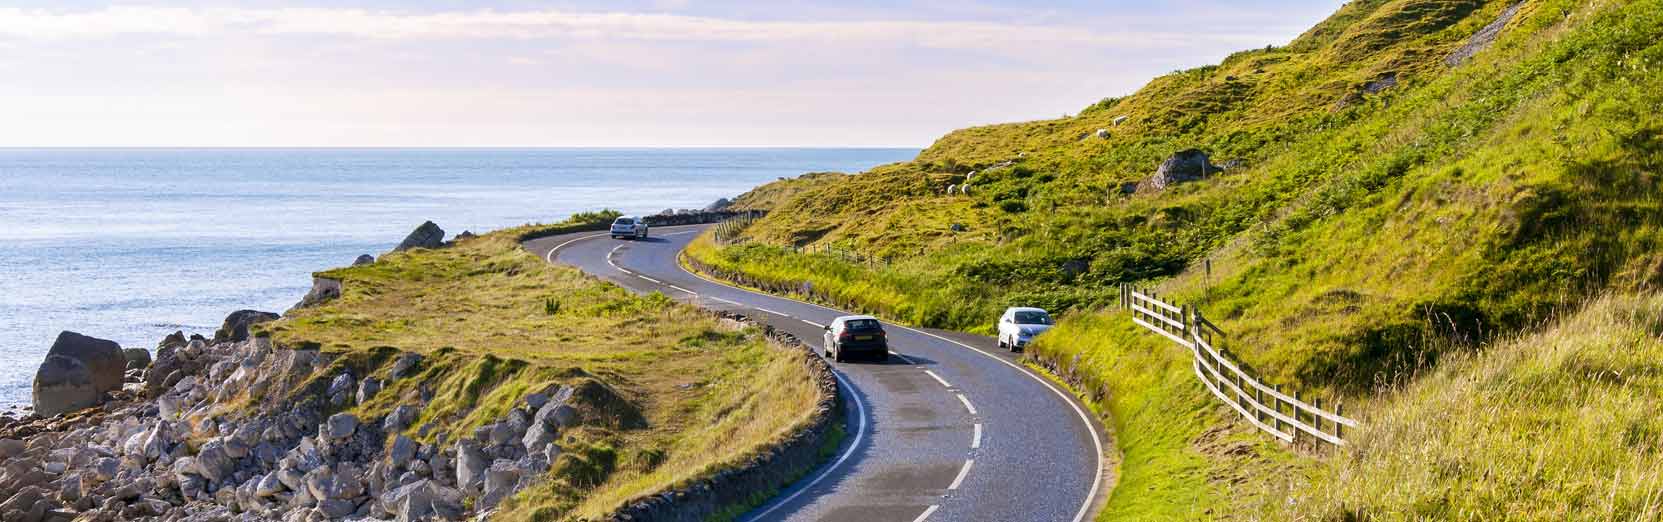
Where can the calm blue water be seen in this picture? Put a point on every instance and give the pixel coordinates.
(131, 245)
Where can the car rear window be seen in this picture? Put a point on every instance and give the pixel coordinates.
(1031, 317)
(624, 221)
(861, 324)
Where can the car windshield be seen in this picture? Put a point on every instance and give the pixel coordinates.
(624, 221)
(1032, 317)
(861, 324)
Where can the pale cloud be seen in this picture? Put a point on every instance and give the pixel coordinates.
(537, 24)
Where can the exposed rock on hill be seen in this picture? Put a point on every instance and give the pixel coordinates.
(235, 328)
(428, 235)
(323, 290)
(1484, 37)
(1185, 166)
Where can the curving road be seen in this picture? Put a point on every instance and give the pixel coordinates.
(950, 429)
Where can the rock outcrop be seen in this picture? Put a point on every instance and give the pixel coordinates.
(428, 235)
(1185, 166)
(364, 259)
(323, 290)
(718, 205)
(235, 327)
(103, 359)
(62, 385)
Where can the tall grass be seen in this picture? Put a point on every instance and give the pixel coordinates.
(1560, 424)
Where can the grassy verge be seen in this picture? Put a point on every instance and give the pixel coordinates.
(495, 323)
(1559, 424)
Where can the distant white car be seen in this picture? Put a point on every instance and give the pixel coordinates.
(632, 227)
(1020, 325)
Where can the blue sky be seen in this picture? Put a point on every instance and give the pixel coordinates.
(622, 73)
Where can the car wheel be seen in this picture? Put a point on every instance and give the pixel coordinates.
(883, 356)
(837, 355)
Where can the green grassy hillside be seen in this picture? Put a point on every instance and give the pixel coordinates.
(496, 322)
(1394, 189)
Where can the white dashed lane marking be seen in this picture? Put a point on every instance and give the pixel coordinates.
(695, 294)
(976, 440)
(967, 404)
(816, 325)
(938, 378)
(654, 281)
(771, 312)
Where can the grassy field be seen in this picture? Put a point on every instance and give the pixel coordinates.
(495, 322)
(1383, 209)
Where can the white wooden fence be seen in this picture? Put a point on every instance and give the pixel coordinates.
(1282, 415)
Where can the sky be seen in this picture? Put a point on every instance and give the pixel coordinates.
(621, 73)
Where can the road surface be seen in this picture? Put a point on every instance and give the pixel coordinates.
(951, 428)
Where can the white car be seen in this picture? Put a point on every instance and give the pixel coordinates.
(1020, 325)
(629, 226)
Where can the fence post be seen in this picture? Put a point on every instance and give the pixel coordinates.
(1339, 429)
(1316, 420)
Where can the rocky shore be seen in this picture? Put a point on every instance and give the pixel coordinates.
(235, 428)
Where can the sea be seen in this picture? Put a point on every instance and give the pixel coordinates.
(133, 244)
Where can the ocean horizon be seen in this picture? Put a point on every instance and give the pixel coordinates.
(130, 244)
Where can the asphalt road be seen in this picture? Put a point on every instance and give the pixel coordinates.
(951, 428)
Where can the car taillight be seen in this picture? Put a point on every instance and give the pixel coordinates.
(843, 336)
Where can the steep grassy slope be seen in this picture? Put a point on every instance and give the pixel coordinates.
(1392, 192)
(495, 322)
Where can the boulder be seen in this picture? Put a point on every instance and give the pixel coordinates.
(235, 328)
(466, 234)
(214, 463)
(1119, 120)
(364, 259)
(500, 482)
(719, 205)
(402, 452)
(63, 385)
(470, 466)
(1102, 134)
(368, 389)
(428, 235)
(403, 365)
(323, 290)
(1185, 166)
(340, 426)
(137, 358)
(103, 359)
(173, 340)
(400, 418)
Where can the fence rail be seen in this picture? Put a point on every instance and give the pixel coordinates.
(1284, 416)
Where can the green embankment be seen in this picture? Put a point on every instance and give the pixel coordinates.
(495, 322)
(1383, 208)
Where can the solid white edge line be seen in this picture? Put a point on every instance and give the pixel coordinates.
(938, 379)
(963, 472)
(927, 512)
(976, 440)
(1096, 439)
(860, 434)
(967, 405)
(552, 251)
(816, 325)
